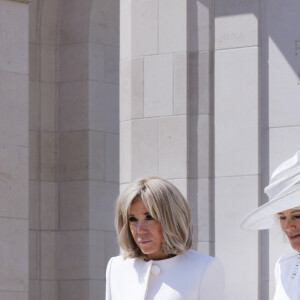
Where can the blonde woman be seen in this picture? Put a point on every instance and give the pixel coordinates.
(283, 207)
(154, 229)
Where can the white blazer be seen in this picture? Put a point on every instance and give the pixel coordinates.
(189, 276)
(287, 276)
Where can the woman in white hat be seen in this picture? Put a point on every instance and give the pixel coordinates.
(154, 229)
(284, 206)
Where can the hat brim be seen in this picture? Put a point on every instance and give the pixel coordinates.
(265, 216)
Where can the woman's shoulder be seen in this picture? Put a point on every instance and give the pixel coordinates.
(198, 256)
(288, 256)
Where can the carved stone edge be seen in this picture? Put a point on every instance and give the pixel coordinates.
(22, 1)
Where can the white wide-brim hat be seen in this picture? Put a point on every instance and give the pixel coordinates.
(283, 192)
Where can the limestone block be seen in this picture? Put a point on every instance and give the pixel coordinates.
(104, 22)
(75, 23)
(125, 90)
(235, 197)
(74, 205)
(201, 207)
(137, 87)
(49, 206)
(97, 289)
(180, 83)
(74, 289)
(111, 247)
(49, 21)
(34, 61)
(12, 295)
(48, 63)
(73, 105)
(96, 61)
(98, 159)
(236, 100)
(173, 147)
(49, 255)
(34, 290)
(199, 146)
(158, 85)
(198, 25)
(14, 108)
(34, 205)
(236, 24)
(283, 144)
(112, 157)
(111, 71)
(48, 156)
(172, 26)
(104, 107)
(96, 254)
(125, 151)
(14, 182)
(182, 185)
(73, 256)
(14, 37)
(34, 155)
(199, 83)
(34, 105)
(144, 152)
(205, 247)
(33, 254)
(144, 27)
(14, 255)
(74, 62)
(33, 12)
(125, 29)
(49, 289)
(102, 196)
(48, 107)
(74, 155)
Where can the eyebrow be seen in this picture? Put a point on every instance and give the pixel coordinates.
(145, 214)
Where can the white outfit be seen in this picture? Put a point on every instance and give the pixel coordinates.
(189, 276)
(287, 276)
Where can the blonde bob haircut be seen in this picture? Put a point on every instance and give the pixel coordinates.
(165, 204)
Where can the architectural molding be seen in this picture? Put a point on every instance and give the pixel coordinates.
(22, 1)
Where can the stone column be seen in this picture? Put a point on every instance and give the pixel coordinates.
(237, 143)
(281, 94)
(14, 150)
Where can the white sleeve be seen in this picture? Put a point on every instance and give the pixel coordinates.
(213, 282)
(107, 290)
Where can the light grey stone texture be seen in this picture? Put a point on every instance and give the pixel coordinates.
(125, 29)
(14, 253)
(125, 151)
(12, 295)
(14, 108)
(137, 88)
(236, 100)
(33, 255)
(235, 197)
(144, 27)
(198, 25)
(173, 147)
(172, 26)
(48, 156)
(34, 106)
(158, 85)
(199, 87)
(73, 95)
(14, 37)
(34, 205)
(180, 83)
(48, 63)
(13, 182)
(199, 146)
(104, 22)
(34, 154)
(48, 107)
(103, 107)
(49, 290)
(236, 24)
(125, 90)
(49, 255)
(49, 206)
(144, 155)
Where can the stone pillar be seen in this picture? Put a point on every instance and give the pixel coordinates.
(281, 94)
(237, 143)
(14, 150)
(88, 145)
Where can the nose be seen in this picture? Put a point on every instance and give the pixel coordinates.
(141, 226)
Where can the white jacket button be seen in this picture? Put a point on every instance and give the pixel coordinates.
(155, 270)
